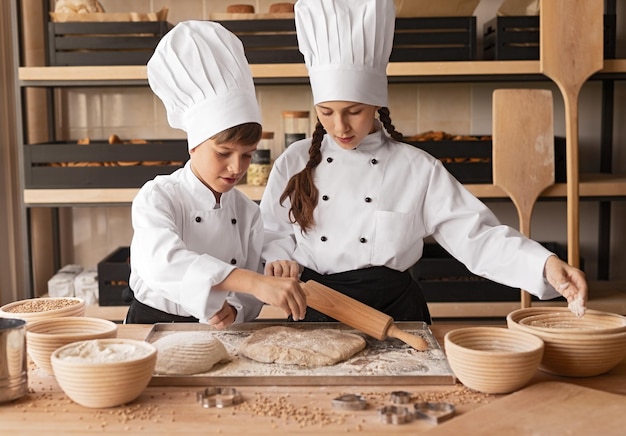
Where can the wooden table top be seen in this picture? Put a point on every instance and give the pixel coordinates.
(265, 409)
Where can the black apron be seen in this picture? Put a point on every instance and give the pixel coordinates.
(139, 313)
(392, 292)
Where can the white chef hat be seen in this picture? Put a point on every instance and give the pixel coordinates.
(200, 72)
(346, 46)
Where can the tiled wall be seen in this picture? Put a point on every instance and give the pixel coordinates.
(134, 112)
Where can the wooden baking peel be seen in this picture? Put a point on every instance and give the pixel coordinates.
(523, 150)
(357, 315)
(571, 50)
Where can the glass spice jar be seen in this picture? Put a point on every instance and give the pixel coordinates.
(261, 163)
(295, 126)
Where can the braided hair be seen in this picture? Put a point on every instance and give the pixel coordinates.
(301, 189)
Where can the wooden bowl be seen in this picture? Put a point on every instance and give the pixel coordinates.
(45, 336)
(36, 309)
(493, 360)
(101, 373)
(580, 352)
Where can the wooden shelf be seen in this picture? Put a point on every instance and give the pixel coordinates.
(591, 186)
(137, 75)
(604, 296)
(102, 197)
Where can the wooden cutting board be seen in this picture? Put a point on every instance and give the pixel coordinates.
(548, 408)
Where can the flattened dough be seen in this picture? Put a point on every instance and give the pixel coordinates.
(188, 353)
(291, 346)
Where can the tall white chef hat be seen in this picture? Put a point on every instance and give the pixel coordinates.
(346, 46)
(200, 72)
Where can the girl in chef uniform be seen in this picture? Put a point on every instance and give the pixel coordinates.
(351, 206)
(196, 246)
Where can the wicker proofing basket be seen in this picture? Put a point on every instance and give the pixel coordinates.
(493, 360)
(105, 384)
(75, 307)
(579, 351)
(45, 336)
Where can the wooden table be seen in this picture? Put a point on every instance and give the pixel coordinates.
(307, 409)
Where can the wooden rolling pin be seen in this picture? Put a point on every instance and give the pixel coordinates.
(357, 315)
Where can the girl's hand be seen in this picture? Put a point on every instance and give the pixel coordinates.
(283, 268)
(223, 317)
(283, 292)
(569, 282)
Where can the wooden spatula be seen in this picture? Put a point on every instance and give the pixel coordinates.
(357, 315)
(523, 150)
(571, 42)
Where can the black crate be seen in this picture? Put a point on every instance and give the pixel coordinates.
(113, 275)
(434, 39)
(104, 43)
(470, 160)
(517, 38)
(442, 278)
(100, 164)
(269, 41)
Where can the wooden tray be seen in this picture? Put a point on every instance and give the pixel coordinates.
(389, 362)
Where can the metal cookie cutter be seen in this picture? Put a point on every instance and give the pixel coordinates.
(218, 397)
(400, 397)
(434, 412)
(349, 402)
(394, 415)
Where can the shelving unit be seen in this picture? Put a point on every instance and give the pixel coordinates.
(603, 187)
(592, 186)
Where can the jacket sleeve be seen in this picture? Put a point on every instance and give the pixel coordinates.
(279, 241)
(248, 307)
(470, 232)
(161, 262)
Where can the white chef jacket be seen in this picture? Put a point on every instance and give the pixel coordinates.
(183, 245)
(376, 205)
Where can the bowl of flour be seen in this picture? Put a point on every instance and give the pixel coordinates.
(102, 373)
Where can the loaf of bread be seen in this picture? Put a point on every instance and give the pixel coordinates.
(240, 9)
(281, 8)
(77, 6)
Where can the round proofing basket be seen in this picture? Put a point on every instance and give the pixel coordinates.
(559, 320)
(72, 307)
(577, 353)
(105, 384)
(45, 336)
(491, 359)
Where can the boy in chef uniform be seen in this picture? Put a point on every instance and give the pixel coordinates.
(351, 206)
(196, 246)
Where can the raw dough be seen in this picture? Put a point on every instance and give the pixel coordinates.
(291, 346)
(188, 353)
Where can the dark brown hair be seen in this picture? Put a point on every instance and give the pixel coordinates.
(242, 134)
(301, 189)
